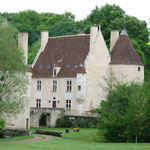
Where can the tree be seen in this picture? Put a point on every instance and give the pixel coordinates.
(13, 78)
(112, 17)
(33, 50)
(124, 116)
(63, 27)
(26, 21)
(139, 51)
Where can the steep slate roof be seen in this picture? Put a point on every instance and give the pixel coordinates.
(124, 52)
(67, 52)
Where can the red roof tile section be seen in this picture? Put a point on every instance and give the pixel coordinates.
(124, 52)
(67, 52)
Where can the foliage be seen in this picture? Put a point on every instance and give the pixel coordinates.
(63, 121)
(33, 50)
(139, 51)
(86, 122)
(125, 115)
(53, 133)
(63, 27)
(2, 126)
(27, 21)
(13, 79)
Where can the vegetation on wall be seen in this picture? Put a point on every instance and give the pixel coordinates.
(2, 126)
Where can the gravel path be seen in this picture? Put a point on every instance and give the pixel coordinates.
(37, 138)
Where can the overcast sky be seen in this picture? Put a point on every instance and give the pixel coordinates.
(80, 8)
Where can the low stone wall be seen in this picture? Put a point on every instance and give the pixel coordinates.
(9, 132)
(51, 115)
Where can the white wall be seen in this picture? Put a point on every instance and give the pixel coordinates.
(128, 73)
(46, 94)
(97, 66)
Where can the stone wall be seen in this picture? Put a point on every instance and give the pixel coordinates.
(51, 115)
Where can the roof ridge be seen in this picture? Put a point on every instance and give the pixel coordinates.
(69, 36)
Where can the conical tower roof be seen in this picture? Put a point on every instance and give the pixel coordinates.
(124, 52)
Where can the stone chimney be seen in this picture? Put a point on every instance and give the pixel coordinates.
(113, 38)
(23, 44)
(44, 39)
(93, 34)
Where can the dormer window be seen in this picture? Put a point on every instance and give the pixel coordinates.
(68, 65)
(81, 65)
(48, 66)
(40, 66)
(75, 66)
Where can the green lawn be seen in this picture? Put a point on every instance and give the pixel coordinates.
(87, 135)
(84, 140)
(17, 138)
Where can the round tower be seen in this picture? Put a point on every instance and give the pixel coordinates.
(125, 62)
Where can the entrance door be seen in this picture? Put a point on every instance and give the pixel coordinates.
(54, 104)
(42, 121)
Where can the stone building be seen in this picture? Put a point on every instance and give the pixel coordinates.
(68, 71)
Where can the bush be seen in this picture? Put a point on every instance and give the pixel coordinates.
(2, 126)
(11, 132)
(59, 134)
(125, 115)
(86, 122)
(63, 121)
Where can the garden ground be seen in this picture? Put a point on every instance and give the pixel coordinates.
(86, 139)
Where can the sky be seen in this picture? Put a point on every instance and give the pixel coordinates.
(80, 8)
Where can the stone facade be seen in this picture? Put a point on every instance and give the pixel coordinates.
(44, 116)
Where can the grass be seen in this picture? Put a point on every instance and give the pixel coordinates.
(87, 135)
(17, 138)
(83, 140)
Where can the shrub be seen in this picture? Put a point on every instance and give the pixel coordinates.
(125, 115)
(2, 126)
(11, 132)
(86, 122)
(59, 134)
(63, 121)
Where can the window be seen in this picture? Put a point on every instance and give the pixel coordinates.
(139, 68)
(38, 103)
(79, 87)
(54, 86)
(40, 66)
(54, 73)
(68, 104)
(69, 86)
(48, 66)
(38, 85)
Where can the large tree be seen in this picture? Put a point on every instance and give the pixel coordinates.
(13, 78)
(124, 116)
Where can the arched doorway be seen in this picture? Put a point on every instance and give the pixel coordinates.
(42, 121)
